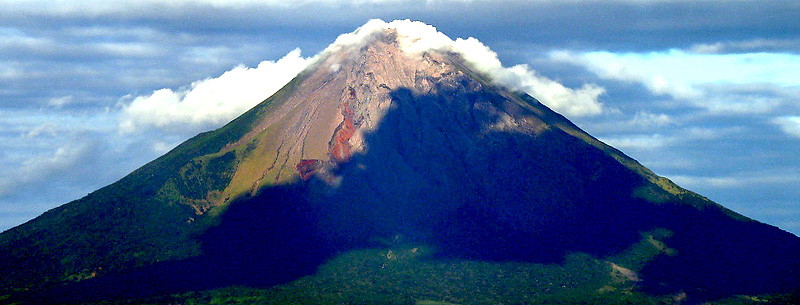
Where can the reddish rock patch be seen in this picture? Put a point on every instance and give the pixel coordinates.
(308, 167)
(340, 146)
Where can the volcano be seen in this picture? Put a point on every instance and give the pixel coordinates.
(393, 171)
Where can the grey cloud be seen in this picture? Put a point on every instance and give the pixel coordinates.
(743, 46)
(746, 99)
(61, 165)
(35, 168)
(200, 39)
(616, 25)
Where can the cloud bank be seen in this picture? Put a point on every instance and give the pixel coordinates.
(719, 83)
(571, 102)
(417, 37)
(212, 101)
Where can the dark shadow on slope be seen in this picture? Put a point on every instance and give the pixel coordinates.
(719, 257)
(265, 240)
(435, 173)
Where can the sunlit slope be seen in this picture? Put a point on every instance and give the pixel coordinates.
(147, 216)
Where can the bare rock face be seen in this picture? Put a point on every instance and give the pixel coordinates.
(343, 97)
(398, 139)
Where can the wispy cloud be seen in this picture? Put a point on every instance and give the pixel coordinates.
(629, 139)
(36, 168)
(738, 180)
(60, 101)
(647, 119)
(789, 124)
(639, 142)
(758, 45)
(719, 83)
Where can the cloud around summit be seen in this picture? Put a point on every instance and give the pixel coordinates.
(417, 37)
(215, 101)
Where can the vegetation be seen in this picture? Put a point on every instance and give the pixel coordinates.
(149, 216)
(408, 274)
(416, 274)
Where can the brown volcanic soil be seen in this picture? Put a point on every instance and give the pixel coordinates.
(326, 114)
(340, 144)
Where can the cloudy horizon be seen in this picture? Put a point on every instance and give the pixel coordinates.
(705, 94)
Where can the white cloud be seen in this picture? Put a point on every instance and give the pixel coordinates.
(128, 49)
(737, 180)
(665, 137)
(639, 142)
(161, 147)
(572, 102)
(713, 182)
(789, 124)
(719, 83)
(217, 100)
(705, 133)
(416, 37)
(705, 48)
(59, 102)
(647, 119)
(48, 128)
(212, 101)
(629, 68)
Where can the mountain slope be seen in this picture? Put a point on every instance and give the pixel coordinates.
(376, 143)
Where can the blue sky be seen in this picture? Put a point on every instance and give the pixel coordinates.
(704, 93)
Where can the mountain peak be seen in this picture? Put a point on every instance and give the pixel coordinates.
(395, 134)
(341, 97)
(412, 37)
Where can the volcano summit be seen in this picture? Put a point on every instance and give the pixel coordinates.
(396, 169)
